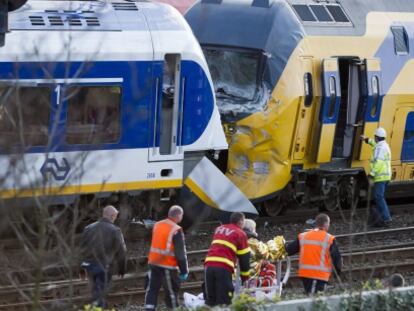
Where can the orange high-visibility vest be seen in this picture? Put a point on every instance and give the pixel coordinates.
(162, 247)
(315, 259)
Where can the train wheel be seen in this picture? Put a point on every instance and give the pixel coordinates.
(348, 193)
(342, 196)
(275, 206)
(331, 202)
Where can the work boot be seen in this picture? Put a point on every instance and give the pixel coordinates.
(378, 224)
(387, 223)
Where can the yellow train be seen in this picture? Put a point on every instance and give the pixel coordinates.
(298, 81)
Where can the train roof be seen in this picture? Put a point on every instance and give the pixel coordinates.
(180, 5)
(116, 30)
(250, 22)
(277, 26)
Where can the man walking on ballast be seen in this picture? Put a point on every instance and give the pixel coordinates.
(380, 172)
(167, 255)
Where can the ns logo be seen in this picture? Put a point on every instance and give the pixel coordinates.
(51, 168)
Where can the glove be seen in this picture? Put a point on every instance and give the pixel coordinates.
(183, 276)
(371, 180)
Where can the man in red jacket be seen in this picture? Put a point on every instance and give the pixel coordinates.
(229, 244)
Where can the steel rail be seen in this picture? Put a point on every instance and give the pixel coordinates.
(135, 294)
(197, 257)
(60, 288)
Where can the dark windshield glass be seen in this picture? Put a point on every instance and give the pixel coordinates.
(237, 81)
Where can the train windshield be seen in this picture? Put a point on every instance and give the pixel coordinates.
(237, 77)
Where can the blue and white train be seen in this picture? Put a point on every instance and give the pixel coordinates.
(102, 97)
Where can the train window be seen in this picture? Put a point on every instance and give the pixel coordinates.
(93, 115)
(375, 96)
(332, 97)
(304, 13)
(308, 85)
(407, 153)
(24, 115)
(400, 40)
(409, 127)
(321, 13)
(337, 13)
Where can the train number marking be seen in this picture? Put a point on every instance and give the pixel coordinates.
(150, 175)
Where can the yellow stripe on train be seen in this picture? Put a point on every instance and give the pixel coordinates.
(93, 188)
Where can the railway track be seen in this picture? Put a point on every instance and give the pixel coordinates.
(137, 230)
(195, 258)
(128, 291)
(54, 291)
(371, 261)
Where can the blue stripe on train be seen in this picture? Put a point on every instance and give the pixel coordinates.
(138, 100)
(407, 153)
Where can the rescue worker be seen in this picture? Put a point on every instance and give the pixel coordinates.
(380, 172)
(318, 252)
(167, 255)
(250, 228)
(229, 244)
(102, 243)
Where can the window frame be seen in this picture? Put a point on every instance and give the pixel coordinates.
(67, 86)
(406, 39)
(15, 84)
(410, 141)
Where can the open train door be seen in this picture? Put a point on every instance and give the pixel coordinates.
(328, 114)
(373, 104)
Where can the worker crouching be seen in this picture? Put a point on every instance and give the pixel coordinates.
(318, 254)
(167, 255)
(229, 245)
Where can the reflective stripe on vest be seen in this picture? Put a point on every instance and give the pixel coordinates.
(232, 247)
(380, 163)
(162, 248)
(322, 270)
(226, 243)
(220, 259)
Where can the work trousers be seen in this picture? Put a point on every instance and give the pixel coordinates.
(99, 283)
(312, 286)
(218, 286)
(379, 189)
(168, 279)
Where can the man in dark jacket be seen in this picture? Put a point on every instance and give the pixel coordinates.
(319, 253)
(102, 243)
(228, 247)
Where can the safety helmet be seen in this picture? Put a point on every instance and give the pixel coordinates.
(380, 132)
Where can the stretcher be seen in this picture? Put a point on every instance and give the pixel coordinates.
(268, 292)
(193, 301)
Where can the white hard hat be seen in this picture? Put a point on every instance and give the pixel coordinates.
(380, 132)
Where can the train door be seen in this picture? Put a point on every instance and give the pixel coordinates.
(328, 114)
(305, 106)
(402, 139)
(372, 106)
(167, 111)
(351, 106)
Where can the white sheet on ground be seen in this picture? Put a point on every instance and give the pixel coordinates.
(193, 301)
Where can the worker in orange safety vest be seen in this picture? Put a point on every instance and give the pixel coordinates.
(167, 255)
(228, 247)
(318, 254)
